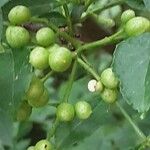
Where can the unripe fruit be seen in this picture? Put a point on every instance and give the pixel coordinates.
(19, 14)
(35, 90)
(99, 86)
(127, 15)
(52, 48)
(45, 36)
(43, 145)
(109, 79)
(109, 95)
(24, 111)
(83, 110)
(60, 59)
(65, 112)
(137, 26)
(41, 101)
(17, 37)
(31, 148)
(39, 58)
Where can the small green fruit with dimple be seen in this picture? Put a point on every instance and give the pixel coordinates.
(19, 14)
(127, 15)
(137, 26)
(17, 37)
(40, 101)
(60, 59)
(24, 111)
(45, 37)
(109, 95)
(65, 112)
(109, 79)
(39, 58)
(43, 145)
(83, 109)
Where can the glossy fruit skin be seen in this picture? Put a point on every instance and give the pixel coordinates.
(39, 58)
(24, 111)
(109, 79)
(109, 95)
(60, 60)
(52, 48)
(45, 37)
(19, 14)
(137, 26)
(17, 37)
(65, 112)
(35, 90)
(43, 145)
(127, 15)
(31, 148)
(83, 110)
(40, 101)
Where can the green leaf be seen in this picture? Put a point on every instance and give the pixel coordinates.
(6, 128)
(2, 2)
(132, 65)
(6, 80)
(23, 74)
(136, 4)
(1, 24)
(56, 18)
(109, 137)
(77, 12)
(147, 4)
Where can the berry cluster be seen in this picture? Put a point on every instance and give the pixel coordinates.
(107, 86)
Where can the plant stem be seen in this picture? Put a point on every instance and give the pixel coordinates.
(88, 68)
(65, 7)
(135, 127)
(47, 76)
(53, 129)
(107, 40)
(76, 43)
(70, 83)
(98, 10)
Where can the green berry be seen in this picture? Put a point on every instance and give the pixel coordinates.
(43, 145)
(52, 48)
(40, 101)
(17, 37)
(39, 58)
(127, 15)
(24, 111)
(31, 148)
(45, 36)
(99, 86)
(60, 59)
(36, 89)
(65, 112)
(109, 79)
(137, 26)
(19, 14)
(109, 95)
(83, 110)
